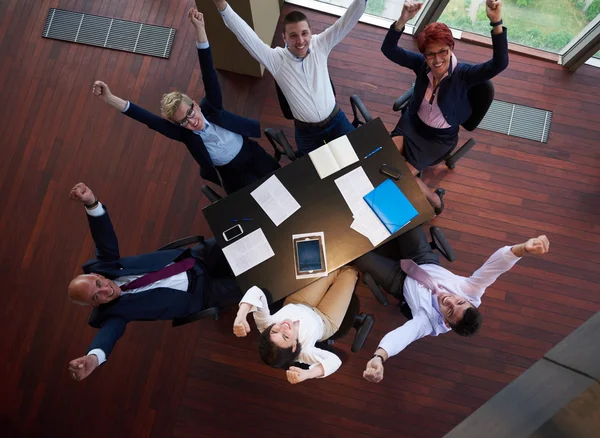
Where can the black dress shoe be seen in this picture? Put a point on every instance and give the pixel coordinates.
(440, 192)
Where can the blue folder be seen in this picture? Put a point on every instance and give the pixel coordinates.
(390, 205)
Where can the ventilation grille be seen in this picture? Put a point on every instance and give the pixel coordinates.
(518, 120)
(111, 33)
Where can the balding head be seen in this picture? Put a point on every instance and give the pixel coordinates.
(92, 290)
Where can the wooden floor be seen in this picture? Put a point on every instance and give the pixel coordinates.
(199, 380)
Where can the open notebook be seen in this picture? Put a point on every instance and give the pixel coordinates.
(390, 205)
(333, 156)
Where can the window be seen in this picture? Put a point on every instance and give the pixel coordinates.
(389, 9)
(543, 24)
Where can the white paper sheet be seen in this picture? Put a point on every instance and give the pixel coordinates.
(353, 186)
(275, 200)
(248, 252)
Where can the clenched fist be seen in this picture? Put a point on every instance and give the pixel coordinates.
(83, 194)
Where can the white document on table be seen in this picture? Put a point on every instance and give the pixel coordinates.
(247, 252)
(333, 156)
(354, 186)
(275, 200)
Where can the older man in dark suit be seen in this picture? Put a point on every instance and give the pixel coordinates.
(160, 285)
(216, 138)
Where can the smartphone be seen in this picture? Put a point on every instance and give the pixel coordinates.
(390, 171)
(232, 232)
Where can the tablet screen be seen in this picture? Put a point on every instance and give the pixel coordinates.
(309, 255)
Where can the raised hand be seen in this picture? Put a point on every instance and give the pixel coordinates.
(82, 367)
(196, 18)
(493, 9)
(101, 90)
(537, 245)
(220, 4)
(297, 375)
(374, 370)
(410, 9)
(82, 193)
(240, 326)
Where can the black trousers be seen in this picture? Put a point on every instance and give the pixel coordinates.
(212, 282)
(250, 164)
(383, 263)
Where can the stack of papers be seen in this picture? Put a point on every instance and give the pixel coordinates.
(354, 186)
(248, 252)
(275, 200)
(334, 156)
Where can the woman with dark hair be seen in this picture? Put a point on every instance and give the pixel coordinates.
(428, 128)
(312, 314)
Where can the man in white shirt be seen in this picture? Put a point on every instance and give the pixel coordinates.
(312, 314)
(300, 70)
(439, 300)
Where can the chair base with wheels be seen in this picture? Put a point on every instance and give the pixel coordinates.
(211, 311)
(438, 242)
(480, 97)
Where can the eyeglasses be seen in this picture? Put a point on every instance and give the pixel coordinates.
(190, 113)
(441, 54)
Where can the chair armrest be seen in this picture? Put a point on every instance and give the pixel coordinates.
(182, 242)
(211, 311)
(210, 194)
(280, 144)
(439, 242)
(403, 100)
(359, 107)
(379, 295)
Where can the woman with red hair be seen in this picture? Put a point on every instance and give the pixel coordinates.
(428, 128)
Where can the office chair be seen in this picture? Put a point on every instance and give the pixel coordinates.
(281, 144)
(211, 311)
(362, 322)
(480, 97)
(210, 194)
(439, 243)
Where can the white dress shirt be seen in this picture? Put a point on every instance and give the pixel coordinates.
(177, 282)
(304, 81)
(426, 317)
(311, 328)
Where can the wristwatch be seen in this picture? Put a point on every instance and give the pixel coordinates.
(379, 356)
(92, 205)
(496, 23)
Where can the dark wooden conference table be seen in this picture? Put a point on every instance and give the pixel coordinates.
(322, 208)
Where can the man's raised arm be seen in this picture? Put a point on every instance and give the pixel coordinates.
(260, 51)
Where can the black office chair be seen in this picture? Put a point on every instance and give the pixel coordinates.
(281, 144)
(210, 194)
(362, 322)
(480, 97)
(439, 243)
(211, 311)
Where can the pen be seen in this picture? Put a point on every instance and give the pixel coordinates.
(241, 219)
(373, 151)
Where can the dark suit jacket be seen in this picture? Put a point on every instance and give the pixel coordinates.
(452, 94)
(212, 108)
(156, 304)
